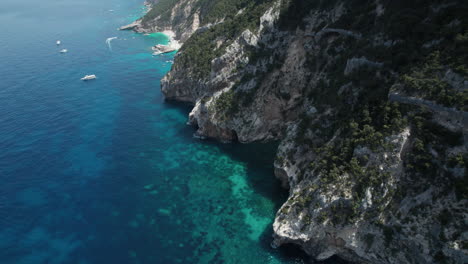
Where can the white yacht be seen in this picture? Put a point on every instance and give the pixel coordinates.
(64, 51)
(89, 77)
(58, 42)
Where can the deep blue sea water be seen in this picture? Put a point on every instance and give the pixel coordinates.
(105, 171)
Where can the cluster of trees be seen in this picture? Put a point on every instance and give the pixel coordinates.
(426, 81)
(225, 105)
(161, 8)
(432, 139)
(373, 124)
(211, 11)
(214, 10)
(198, 52)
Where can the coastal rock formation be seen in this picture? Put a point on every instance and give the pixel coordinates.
(131, 26)
(159, 49)
(176, 16)
(371, 119)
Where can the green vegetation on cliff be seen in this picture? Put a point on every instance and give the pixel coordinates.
(160, 8)
(198, 52)
(210, 11)
(367, 97)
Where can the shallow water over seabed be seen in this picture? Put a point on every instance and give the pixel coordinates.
(104, 171)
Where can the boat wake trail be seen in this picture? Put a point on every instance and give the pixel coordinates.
(108, 42)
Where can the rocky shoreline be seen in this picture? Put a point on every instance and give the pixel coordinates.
(137, 26)
(370, 180)
(173, 44)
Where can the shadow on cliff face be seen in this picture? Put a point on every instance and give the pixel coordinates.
(292, 251)
(258, 160)
(257, 157)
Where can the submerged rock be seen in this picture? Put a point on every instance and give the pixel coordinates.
(163, 211)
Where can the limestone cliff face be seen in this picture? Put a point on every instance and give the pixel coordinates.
(368, 100)
(181, 17)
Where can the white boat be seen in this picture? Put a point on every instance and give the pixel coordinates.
(64, 51)
(89, 77)
(58, 42)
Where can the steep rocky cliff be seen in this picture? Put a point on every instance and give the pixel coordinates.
(368, 99)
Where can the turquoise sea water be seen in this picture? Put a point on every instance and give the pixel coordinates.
(105, 171)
